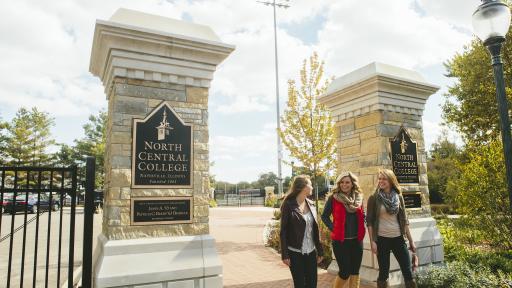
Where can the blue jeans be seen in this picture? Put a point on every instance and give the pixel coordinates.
(396, 245)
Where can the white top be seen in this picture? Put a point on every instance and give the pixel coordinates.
(308, 244)
(375, 69)
(388, 224)
(163, 24)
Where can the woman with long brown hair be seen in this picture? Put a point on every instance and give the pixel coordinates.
(300, 238)
(347, 228)
(387, 226)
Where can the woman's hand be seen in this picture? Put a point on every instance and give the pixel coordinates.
(374, 247)
(319, 259)
(286, 262)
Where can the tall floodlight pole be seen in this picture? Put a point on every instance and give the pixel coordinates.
(275, 4)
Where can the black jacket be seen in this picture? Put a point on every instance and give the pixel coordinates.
(293, 227)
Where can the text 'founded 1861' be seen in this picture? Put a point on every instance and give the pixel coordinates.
(162, 150)
(405, 158)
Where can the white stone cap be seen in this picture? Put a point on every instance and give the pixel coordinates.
(376, 69)
(162, 25)
(138, 45)
(377, 87)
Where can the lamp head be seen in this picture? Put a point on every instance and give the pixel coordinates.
(491, 21)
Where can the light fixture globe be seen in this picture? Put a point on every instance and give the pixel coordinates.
(491, 21)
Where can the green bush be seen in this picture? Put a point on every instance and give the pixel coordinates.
(482, 198)
(271, 201)
(461, 275)
(212, 203)
(441, 209)
(456, 250)
(277, 214)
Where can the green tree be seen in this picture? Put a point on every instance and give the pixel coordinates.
(307, 128)
(266, 179)
(483, 198)
(442, 167)
(470, 103)
(3, 141)
(28, 138)
(93, 144)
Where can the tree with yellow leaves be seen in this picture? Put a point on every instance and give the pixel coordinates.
(307, 128)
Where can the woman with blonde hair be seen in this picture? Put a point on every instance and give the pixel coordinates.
(300, 237)
(387, 226)
(347, 228)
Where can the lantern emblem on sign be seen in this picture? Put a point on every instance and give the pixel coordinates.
(164, 128)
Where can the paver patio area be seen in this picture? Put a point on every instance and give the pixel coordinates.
(246, 261)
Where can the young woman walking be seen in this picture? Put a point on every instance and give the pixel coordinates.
(347, 228)
(387, 226)
(300, 238)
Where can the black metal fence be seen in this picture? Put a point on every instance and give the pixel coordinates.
(37, 226)
(243, 197)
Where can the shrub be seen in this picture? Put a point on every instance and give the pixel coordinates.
(277, 214)
(441, 209)
(482, 198)
(212, 203)
(461, 275)
(455, 250)
(271, 201)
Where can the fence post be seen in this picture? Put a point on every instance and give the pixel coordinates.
(88, 221)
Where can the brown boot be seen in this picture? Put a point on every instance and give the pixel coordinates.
(382, 284)
(353, 281)
(339, 282)
(410, 284)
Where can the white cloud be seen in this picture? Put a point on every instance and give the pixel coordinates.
(455, 12)
(357, 33)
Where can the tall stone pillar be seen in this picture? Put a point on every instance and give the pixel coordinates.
(156, 72)
(372, 106)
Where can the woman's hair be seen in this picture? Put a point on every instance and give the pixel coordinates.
(390, 175)
(353, 178)
(298, 184)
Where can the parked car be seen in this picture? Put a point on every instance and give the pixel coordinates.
(22, 203)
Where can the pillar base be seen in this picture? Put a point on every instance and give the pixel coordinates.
(170, 262)
(429, 245)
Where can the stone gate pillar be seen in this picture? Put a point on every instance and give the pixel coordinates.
(156, 72)
(370, 106)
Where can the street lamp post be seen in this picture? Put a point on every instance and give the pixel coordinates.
(277, 4)
(491, 22)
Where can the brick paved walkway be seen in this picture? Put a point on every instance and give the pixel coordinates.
(247, 263)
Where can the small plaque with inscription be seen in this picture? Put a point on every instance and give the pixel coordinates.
(161, 210)
(162, 150)
(404, 158)
(412, 199)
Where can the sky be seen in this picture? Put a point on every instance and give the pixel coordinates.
(45, 51)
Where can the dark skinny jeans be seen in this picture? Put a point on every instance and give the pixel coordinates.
(396, 245)
(303, 268)
(349, 254)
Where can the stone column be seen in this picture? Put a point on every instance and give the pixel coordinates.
(147, 62)
(369, 106)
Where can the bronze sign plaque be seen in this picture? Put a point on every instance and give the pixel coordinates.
(412, 199)
(156, 210)
(404, 158)
(162, 150)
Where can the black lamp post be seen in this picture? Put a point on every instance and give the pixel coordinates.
(491, 22)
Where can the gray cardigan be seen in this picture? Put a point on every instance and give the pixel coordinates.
(373, 210)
